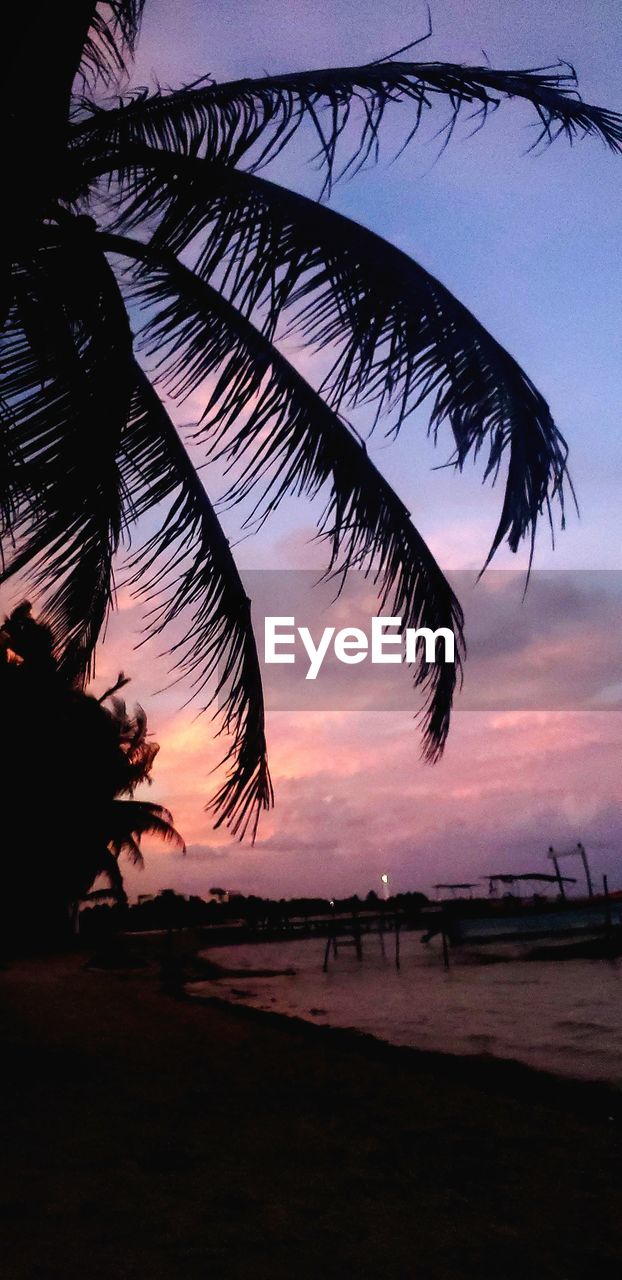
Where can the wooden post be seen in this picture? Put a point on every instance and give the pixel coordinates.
(608, 934)
(445, 947)
(326, 953)
(558, 873)
(581, 850)
(397, 943)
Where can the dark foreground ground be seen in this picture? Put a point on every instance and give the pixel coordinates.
(148, 1137)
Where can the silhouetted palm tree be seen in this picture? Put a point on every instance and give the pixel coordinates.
(66, 759)
(156, 200)
(123, 823)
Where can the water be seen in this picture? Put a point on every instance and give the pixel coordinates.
(564, 1017)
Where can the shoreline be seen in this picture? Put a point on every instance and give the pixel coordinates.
(505, 1077)
(169, 1137)
(563, 1023)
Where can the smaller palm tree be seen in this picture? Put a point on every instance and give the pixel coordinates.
(126, 821)
(70, 766)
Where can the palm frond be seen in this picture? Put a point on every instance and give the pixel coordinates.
(137, 751)
(264, 417)
(100, 895)
(400, 337)
(186, 567)
(11, 476)
(226, 121)
(65, 382)
(111, 40)
(127, 821)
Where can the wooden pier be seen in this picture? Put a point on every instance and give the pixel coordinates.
(350, 931)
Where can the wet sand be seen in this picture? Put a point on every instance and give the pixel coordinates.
(153, 1137)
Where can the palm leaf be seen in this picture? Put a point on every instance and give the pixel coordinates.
(127, 821)
(65, 382)
(11, 476)
(225, 121)
(137, 751)
(111, 40)
(266, 418)
(186, 567)
(399, 335)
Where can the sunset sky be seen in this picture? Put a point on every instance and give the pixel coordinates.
(531, 244)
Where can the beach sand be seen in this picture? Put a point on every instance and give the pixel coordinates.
(147, 1136)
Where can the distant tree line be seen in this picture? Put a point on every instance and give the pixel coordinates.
(171, 910)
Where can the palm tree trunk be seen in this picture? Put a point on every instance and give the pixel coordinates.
(43, 43)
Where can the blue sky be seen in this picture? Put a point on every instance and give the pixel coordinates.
(528, 242)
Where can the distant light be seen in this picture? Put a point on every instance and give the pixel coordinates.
(384, 877)
(332, 902)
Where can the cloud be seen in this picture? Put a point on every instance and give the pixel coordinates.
(207, 853)
(353, 800)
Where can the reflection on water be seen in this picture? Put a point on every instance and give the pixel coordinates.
(564, 1017)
